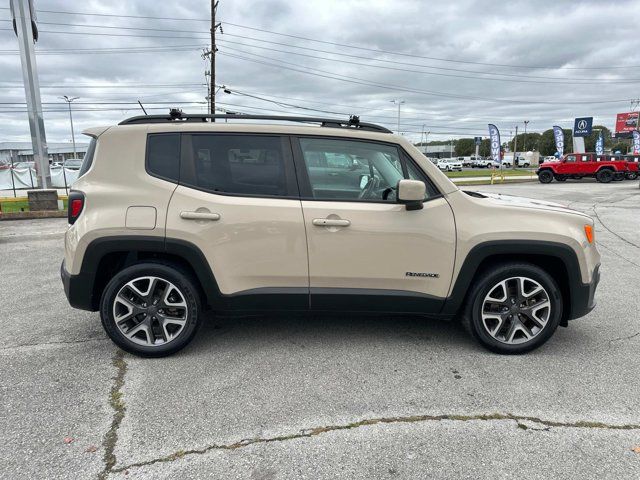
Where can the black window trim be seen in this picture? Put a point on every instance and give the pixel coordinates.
(291, 179)
(305, 184)
(175, 181)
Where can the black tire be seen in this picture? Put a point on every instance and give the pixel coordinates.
(169, 274)
(632, 175)
(483, 285)
(604, 176)
(560, 178)
(545, 176)
(618, 177)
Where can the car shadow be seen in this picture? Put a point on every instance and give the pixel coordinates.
(308, 329)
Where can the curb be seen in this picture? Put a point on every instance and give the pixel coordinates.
(32, 215)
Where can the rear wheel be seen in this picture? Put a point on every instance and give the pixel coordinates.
(150, 310)
(545, 176)
(604, 176)
(514, 308)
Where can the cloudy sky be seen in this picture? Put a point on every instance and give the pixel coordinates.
(456, 65)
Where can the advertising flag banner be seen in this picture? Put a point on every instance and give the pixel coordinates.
(558, 135)
(494, 137)
(636, 141)
(600, 145)
(582, 126)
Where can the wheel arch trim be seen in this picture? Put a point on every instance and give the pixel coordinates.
(511, 248)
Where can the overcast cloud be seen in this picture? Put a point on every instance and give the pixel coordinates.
(579, 42)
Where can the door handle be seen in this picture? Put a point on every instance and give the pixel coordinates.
(200, 216)
(330, 222)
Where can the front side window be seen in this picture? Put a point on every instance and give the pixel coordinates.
(570, 158)
(237, 164)
(353, 170)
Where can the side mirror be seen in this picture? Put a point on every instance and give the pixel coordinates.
(411, 193)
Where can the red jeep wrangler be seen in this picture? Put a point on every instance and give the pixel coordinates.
(577, 165)
(633, 161)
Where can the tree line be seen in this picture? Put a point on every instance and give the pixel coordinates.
(542, 142)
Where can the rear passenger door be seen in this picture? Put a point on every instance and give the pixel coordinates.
(238, 202)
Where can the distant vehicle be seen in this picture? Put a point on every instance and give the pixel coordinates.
(450, 165)
(485, 163)
(551, 158)
(578, 165)
(633, 162)
(520, 162)
(73, 164)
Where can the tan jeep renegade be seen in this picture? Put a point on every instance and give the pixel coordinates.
(174, 215)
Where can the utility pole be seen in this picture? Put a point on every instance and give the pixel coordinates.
(398, 102)
(212, 103)
(26, 31)
(526, 122)
(73, 137)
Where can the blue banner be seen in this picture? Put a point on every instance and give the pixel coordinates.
(558, 135)
(636, 141)
(494, 137)
(600, 145)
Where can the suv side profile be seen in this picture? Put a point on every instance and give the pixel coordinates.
(578, 165)
(175, 215)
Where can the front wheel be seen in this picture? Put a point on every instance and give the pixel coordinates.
(545, 176)
(514, 308)
(604, 176)
(150, 310)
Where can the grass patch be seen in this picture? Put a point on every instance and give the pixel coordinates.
(486, 172)
(11, 205)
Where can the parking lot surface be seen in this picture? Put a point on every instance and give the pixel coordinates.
(322, 397)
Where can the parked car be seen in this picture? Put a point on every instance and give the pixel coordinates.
(450, 165)
(486, 163)
(73, 164)
(633, 164)
(173, 216)
(604, 168)
(520, 162)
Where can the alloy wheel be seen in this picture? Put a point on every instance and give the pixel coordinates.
(150, 311)
(516, 310)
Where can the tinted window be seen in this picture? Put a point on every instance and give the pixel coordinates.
(365, 171)
(238, 164)
(87, 161)
(163, 155)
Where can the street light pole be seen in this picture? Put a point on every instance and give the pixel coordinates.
(73, 137)
(526, 122)
(398, 102)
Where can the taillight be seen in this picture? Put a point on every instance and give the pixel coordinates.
(76, 204)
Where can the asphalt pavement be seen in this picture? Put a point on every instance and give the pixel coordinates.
(290, 397)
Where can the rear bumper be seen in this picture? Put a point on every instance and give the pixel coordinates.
(583, 296)
(78, 290)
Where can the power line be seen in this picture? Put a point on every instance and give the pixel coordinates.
(543, 67)
(360, 81)
(549, 82)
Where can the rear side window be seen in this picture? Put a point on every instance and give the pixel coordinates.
(163, 156)
(238, 164)
(87, 161)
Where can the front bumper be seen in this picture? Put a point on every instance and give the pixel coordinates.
(583, 296)
(79, 290)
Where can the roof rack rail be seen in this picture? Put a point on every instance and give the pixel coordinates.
(176, 116)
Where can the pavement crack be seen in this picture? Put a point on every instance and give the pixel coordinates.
(595, 212)
(117, 404)
(63, 342)
(628, 337)
(521, 423)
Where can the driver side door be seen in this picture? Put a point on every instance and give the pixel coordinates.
(366, 251)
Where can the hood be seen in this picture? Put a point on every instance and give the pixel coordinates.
(499, 199)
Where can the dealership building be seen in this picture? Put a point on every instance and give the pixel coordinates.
(23, 152)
